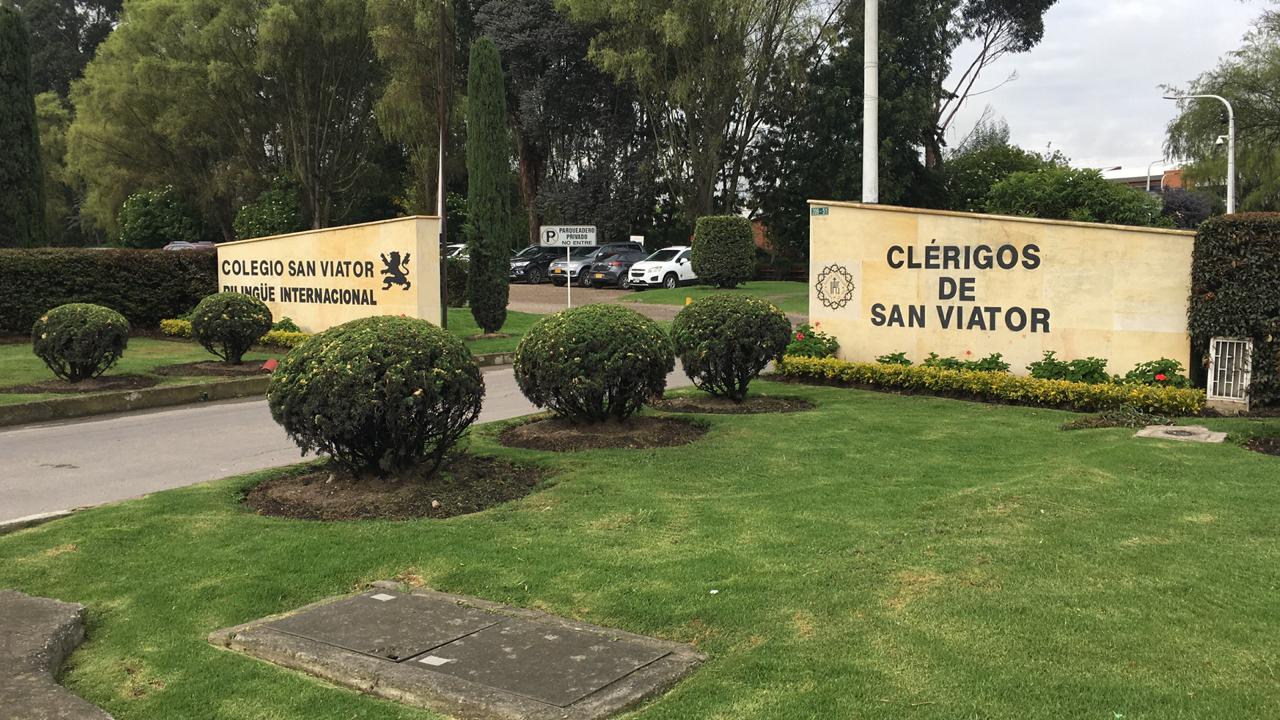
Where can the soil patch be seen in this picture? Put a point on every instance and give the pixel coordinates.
(561, 435)
(465, 484)
(752, 405)
(1265, 445)
(100, 384)
(211, 368)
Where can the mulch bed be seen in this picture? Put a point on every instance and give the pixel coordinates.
(212, 368)
(101, 384)
(1266, 445)
(464, 484)
(753, 404)
(488, 336)
(561, 435)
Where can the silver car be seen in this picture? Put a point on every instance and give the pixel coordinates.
(574, 269)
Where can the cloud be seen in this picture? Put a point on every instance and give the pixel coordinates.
(1092, 87)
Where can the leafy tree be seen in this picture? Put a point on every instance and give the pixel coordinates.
(64, 37)
(317, 60)
(154, 218)
(1186, 209)
(702, 69)
(985, 158)
(275, 212)
(53, 118)
(21, 177)
(583, 150)
(996, 28)
(1059, 193)
(488, 180)
(1247, 77)
(214, 97)
(811, 146)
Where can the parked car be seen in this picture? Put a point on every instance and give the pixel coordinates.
(613, 269)
(530, 264)
(456, 250)
(184, 245)
(581, 258)
(669, 268)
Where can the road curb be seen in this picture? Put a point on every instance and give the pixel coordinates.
(28, 521)
(164, 396)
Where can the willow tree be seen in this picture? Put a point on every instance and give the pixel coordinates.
(488, 229)
(21, 179)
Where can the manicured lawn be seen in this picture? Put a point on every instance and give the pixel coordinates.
(20, 366)
(877, 557)
(792, 297)
(463, 325)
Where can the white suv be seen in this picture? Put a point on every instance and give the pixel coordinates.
(669, 268)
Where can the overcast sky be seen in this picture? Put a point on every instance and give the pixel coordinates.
(1092, 87)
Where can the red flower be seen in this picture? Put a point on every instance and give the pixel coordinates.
(799, 336)
(1161, 377)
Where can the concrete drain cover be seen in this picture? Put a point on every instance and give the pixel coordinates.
(1188, 433)
(465, 656)
(394, 626)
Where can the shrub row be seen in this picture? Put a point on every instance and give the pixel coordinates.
(145, 286)
(275, 338)
(996, 386)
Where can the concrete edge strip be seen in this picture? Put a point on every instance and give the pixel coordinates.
(164, 396)
(28, 521)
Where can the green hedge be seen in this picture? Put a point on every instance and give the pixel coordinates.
(996, 386)
(145, 286)
(724, 253)
(1235, 292)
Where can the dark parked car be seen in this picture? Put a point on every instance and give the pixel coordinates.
(580, 262)
(612, 270)
(530, 264)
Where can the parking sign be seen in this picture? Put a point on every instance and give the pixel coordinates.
(568, 235)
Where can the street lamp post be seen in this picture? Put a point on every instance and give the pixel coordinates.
(871, 103)
(1231, 144)
(1152, 164)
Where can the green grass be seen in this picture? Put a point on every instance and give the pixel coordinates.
(792, 297)
(877, 557)
(464, 326)
(20, 366)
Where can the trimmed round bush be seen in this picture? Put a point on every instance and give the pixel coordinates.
(228, 324)
(724, 253)
(724, 341)
(79, 341)
(593, 363)
(378, 395)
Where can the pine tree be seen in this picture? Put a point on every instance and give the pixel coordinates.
(21, 180)
(488, 229)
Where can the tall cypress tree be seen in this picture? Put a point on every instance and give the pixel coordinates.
(488, 229)
(21, 181)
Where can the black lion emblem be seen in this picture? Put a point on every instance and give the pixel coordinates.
(395, 271)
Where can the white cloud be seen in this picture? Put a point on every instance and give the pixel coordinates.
(1092, 87)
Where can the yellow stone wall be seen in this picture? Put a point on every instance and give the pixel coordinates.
(1118, 293)
(322, 278)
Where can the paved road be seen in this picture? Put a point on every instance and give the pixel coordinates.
(547, 298)
(58, 466)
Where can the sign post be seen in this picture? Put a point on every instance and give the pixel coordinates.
(568, 237)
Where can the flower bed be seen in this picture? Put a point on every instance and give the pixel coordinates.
(995, 386)
(274, 338)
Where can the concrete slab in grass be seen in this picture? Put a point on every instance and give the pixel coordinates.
(36, 636)
(465, 656)
(1181, 433)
